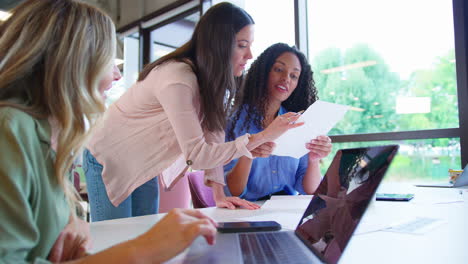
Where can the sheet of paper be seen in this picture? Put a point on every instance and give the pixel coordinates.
(286, 220)
(286, 204)
(372, 223)
(291, 197)
(444, 196)
(319, 119)
(416, 226)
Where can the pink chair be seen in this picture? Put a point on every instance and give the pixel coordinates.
(177, 197)
(202, 195)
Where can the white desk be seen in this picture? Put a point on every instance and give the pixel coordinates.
(444, 244)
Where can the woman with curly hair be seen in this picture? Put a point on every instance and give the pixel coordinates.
(280, 80)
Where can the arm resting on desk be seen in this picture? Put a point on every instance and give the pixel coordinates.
(170, 236)
(229, 202)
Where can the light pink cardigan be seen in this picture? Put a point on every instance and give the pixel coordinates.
(154, 129)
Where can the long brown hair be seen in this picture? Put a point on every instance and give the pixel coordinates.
(53, 54)
(209, 53)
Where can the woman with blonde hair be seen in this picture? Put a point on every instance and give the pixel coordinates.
(56, 61)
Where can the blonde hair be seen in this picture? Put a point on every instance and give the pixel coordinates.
(53, 54)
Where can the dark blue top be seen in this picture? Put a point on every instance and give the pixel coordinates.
(268, 175)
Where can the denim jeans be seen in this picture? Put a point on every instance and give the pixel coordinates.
(143, 201)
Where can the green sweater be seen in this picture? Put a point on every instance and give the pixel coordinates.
(33, 209)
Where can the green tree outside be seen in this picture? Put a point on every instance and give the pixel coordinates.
(372, 91)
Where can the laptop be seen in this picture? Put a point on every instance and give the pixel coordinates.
(462, 180)
(327, 223)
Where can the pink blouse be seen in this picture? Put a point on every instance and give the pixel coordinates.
(155, 129)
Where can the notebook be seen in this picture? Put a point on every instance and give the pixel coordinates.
(326, 226)
(462, 180)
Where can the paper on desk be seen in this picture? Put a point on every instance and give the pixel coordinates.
(447, 197)
(286, 220)
(416, 225)
(286, 204)
(372, 223)
(319, 119)
(291, 197)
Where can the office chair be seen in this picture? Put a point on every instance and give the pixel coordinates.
(177, 197)
(202, 195)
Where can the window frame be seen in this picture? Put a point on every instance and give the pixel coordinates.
(159, 18)
(460, 18)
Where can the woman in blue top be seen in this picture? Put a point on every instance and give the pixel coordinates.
(280, 80)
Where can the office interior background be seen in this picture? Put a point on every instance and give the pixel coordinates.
(401, 66)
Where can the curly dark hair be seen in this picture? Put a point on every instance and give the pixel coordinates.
(254, 95)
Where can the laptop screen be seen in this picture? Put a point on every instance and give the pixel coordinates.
(341, 199)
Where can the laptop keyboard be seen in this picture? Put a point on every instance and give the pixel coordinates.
(274, 247)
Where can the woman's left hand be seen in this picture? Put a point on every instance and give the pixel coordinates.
(72, 242)
(319, 148)
(234, 202)
(230, 202)
(264, 150)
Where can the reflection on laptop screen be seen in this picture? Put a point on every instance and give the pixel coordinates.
(341, 199)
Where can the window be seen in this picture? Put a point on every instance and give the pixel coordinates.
(151, 39)
(416, 161)
(394, 63)
(129, 67)
(166, 38)
(274, 22)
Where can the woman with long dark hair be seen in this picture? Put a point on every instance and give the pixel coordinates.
(174, 118)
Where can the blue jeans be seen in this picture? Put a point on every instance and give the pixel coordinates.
(143, 201)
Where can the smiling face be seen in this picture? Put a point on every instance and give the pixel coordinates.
(242, 53)
(283, 77)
